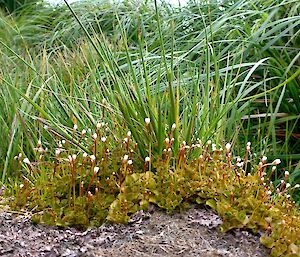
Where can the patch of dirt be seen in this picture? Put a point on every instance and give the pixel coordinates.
(154, 233)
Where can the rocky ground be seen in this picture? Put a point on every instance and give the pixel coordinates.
(153, 233)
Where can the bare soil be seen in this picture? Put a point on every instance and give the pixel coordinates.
(191, 233)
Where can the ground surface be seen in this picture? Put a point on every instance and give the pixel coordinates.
(154, 233)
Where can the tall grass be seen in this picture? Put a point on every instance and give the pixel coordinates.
(225, 72)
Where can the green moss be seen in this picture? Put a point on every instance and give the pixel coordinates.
(82, 192)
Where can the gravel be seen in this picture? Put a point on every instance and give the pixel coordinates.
(193, 232)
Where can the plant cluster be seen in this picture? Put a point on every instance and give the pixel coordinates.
(113, 182)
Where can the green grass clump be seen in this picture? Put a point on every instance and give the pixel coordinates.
(76, 189)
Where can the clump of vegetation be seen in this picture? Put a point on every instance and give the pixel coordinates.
(77, 189)
(225, 70)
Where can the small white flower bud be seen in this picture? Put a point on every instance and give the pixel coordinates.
(83, 132)
(214, 147)
(21, 186)
(57, 151)
(103, 139)
(96, 169)
(98, 125)
(276, 162)
(84, 155)
(147, 121)
(125, 158)
(130, 162)
(74, 156)
(26, 160)
(167, 140)
(129, 133)
(228, 147)
(63, 142)
(264, 158)
(173, 126)
(297, 186)
(95, 136)
(70, 158)
(147, 159)
(93, 158)
(286, 173)
(75, 127)
(287, 185)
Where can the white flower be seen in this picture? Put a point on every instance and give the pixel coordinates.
(147, 159)
(209, 142)
(57, 151)
(125, 139)
(273, 168)
(125, 158)
(95, 136)
(129, 133)
(173, 126)
(63, 142)
(228, 146)
(147, 121)
(214, 147)
(93, 158)
(130, 162)
(98, 125)
(286, 173)
(70, 158)
(264, 158)
(83, 132)
(103, 139)
(167, 140)
(26, 160)
(75, 127)
(287, 185)
(21, 186)
(297, 186)
(74, 156)
(84, 155)
(96, 169)
(276, 162)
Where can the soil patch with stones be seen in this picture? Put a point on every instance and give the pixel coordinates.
(191, 233)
